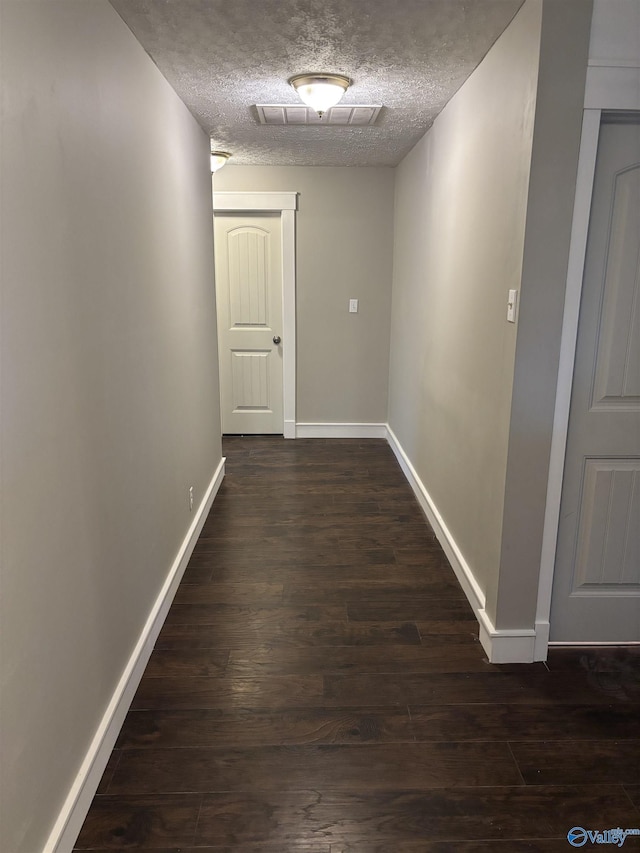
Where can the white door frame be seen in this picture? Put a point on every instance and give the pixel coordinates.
(286, 204)
(613, 87)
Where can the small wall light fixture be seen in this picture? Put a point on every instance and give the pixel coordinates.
(320, 91)
(218, 159)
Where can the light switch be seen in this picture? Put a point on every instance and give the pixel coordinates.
(353, 306)
(512, 306)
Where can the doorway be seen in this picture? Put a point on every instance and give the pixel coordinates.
(596, 591)
(255, 295)
(248, 270)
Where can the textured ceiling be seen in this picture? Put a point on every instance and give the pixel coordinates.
(224, 56)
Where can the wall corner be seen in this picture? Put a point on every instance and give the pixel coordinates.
(556, 142)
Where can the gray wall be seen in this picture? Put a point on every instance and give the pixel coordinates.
(484, 204)
(109, 377)
(511, 599)
(461, 200)
(344, 247)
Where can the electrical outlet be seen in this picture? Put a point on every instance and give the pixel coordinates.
(190, 498)
(353, 306)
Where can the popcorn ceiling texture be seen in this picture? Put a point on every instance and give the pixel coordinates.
(224, 57)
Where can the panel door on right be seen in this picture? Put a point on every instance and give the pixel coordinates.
(596, 593)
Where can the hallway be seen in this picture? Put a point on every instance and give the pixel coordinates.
(318, 686)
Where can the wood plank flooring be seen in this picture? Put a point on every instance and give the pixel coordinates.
(319, 687)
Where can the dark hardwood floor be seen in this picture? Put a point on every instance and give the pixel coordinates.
(319, 686)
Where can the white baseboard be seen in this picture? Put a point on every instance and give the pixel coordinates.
(443, 534)
(522, 645)
(597, 644)
(506, 645)
(74, 810)
(341, 431)
(543, 629)
(289, 429)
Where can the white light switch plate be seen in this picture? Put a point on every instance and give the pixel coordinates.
(512, 306)
(353, 306)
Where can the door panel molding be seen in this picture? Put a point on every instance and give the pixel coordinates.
(607, 561)
(250, 380)
(616, 381)
(286, 204)
(247, 294)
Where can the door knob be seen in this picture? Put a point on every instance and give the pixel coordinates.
(276, 339)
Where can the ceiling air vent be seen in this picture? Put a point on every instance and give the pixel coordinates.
(295, 115)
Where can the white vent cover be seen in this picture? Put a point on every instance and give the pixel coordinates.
(294, 114)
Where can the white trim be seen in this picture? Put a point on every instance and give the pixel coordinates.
(573, 293)
(543, 627)
(341, 430)
(76, 805)
(612, 87)
(506, 645)
(613, 63)
(228, 202)
(286, 204)
(288, 220)
(568, 644)
(460, 566)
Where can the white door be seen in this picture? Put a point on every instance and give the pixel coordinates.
(248, 257)
(596, 593)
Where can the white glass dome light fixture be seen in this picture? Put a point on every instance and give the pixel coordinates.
(218, 159)
(320, 91)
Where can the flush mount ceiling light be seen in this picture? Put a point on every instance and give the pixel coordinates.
(320, 91)
(218, 159)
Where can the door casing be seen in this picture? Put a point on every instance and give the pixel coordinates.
(286, 204)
